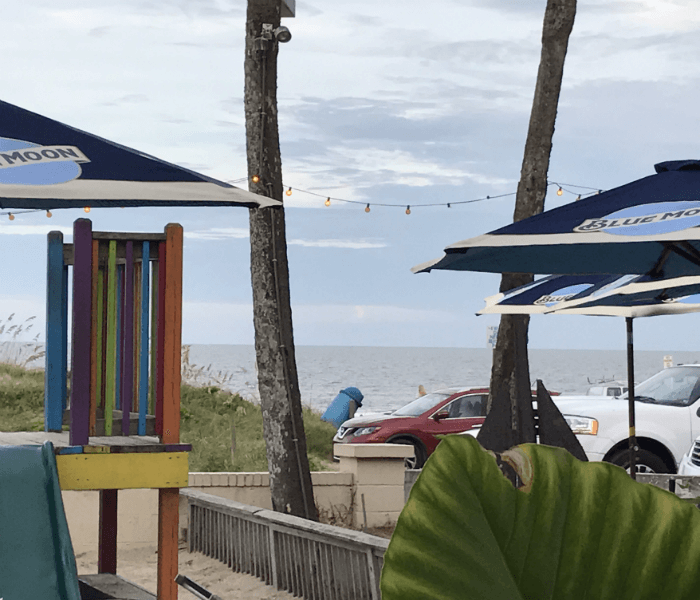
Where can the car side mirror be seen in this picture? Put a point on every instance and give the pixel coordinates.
(441, 414)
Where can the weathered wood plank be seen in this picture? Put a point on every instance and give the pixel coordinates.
(112, 586)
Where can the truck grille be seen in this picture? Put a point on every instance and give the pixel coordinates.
(695, 454)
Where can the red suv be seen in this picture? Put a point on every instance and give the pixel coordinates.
(453, 410)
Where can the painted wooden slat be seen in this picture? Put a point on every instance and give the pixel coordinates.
(54, 374)
(144, 379)
(94, 363)
(111, 352)
(168, 518)
(127, 391)
(162, 271)
(120, 334)
(153, 375)
(64, 338)
(100, 340)
(81, 336)
(172, 338)
(136, 331)
(132, 470)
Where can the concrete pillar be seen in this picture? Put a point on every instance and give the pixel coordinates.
(378, 478)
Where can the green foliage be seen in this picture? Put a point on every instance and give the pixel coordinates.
(211, 419)
(574, 530)
(21, 399)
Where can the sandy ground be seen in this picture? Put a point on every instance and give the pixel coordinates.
(139, 566)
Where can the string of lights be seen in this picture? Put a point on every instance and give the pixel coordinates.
(579, 191)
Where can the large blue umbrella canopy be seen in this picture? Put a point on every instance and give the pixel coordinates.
(648, 226)
(46, 164)
(606, 295)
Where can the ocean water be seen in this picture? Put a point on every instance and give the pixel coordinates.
(389, 377)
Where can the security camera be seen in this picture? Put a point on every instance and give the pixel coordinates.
(282, 34)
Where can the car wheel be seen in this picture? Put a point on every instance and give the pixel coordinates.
(647, 462)
(418, 459)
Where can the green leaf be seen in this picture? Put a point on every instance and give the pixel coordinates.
(575, 530)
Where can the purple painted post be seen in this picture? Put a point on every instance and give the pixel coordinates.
(81, 335)
(127, 387)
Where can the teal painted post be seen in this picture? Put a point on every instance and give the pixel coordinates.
(54, 373)
(64, 339)
(145, 295)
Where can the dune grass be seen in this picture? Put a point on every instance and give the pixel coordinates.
(212, 420)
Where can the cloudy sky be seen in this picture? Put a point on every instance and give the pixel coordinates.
(398, 102)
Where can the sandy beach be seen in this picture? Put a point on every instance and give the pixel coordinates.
(139, 566)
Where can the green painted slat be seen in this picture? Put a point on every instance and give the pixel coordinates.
(111, 370)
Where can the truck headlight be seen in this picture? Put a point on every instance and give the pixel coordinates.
(584, 425)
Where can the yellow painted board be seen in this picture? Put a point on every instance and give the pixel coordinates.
(123, 471)
(96, 449)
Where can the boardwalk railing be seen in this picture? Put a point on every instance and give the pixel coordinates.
(310, 560)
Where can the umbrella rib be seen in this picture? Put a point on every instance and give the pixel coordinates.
(656, 269)
(684, 250)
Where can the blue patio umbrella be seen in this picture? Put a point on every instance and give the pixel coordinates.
(541, 295)
(648, 226)
(618, 295)
(46, 165)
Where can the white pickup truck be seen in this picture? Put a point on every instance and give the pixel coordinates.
(667, 417)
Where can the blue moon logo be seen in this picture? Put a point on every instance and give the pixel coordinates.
(27, 163)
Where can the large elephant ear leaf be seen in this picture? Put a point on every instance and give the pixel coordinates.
(574, 530)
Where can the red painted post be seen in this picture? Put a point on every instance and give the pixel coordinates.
(172, 339)
(107, 543)
(168, 522)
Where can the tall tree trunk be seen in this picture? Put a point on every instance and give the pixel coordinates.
(511, 419)
(283, 427)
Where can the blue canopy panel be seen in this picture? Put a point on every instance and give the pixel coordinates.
(649, 225)
(45, 164)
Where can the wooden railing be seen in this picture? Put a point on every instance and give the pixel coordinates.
(310, 560)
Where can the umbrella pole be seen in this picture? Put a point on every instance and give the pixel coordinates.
(630, 397)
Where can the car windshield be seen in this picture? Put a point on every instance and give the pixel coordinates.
(677, 386)
(420, 405)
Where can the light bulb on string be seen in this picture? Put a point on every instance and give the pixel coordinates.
(408, 210)
(560, 192)
(11, 217)
(87, 209)
(448, 205)
(255, 178)
(328, 202)
(578, 197)
(48, 214)
(367, 208)
(289, 192)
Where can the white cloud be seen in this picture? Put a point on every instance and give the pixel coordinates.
(21, 229)
(219, 233)
(238, 233)
(347, 244)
